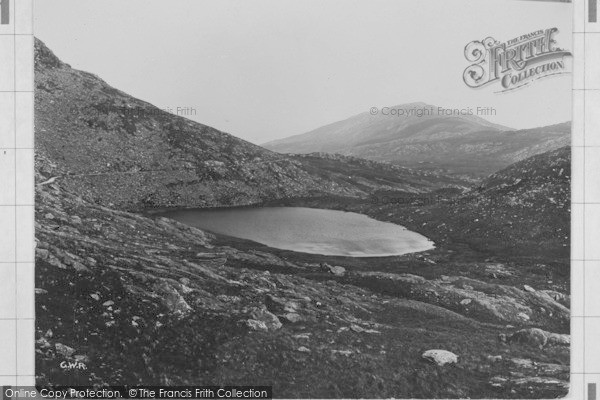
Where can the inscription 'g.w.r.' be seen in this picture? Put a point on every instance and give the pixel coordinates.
(4, 12)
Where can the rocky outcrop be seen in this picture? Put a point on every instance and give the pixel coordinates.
(529, 378)
(538, 337)
(470, 297)
(263, 320)
(497, 217)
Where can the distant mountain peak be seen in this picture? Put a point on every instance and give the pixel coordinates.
(452, 141)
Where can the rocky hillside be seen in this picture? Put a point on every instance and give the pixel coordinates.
(119, 151)
(520, 211)
(373, 176)
(133, 300)
(525, 208)
(455, 144)
(139, 300)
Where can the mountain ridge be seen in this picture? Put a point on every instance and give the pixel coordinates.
(409, 110)
(454, 144)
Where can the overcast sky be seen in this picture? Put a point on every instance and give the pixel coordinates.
(267, 69)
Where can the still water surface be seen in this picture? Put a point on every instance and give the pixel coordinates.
(308, 230)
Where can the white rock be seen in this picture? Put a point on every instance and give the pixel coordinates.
(302, 336)
(64, 350)
(440, 357)
(257, 325)
(465, 302)
(523, 316)
(292, 317)
(263, 320)
(337, 270)
(342, 352)
(528, 288)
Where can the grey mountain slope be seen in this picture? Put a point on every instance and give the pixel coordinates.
(364, 128)
(455, 144)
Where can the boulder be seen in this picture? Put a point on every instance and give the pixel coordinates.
(532, 336)
(172, 299)
(292, 317)
(256, 325)
(557, 296)
(42, 253)
(43, 343)
(342, 352)
(440, 357)
(263, 320)
(334, 270)
(360, 329)
(302, 336)
(79, 267)
(64, 350)
(528, 288)
(337, 270)
(523, 316)
(497, 271)
(81, 358)
(274, 304)
(539, 338)
(558, 339)
(522, 363)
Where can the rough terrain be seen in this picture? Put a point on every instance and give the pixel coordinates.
(147, 301)
(140, 299)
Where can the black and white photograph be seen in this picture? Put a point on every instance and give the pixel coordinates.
(327, 199)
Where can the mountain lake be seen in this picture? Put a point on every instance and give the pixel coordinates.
(308, 230)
